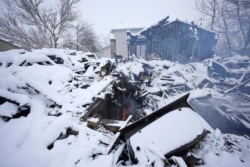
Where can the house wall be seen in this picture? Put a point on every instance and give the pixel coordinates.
(113, 48)
(4, 46)
(120, 36)
(177, 41)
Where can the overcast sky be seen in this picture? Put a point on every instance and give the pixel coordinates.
(105, 15)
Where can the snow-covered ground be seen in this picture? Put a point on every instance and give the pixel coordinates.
(41, 105)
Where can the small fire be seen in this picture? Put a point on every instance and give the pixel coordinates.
(124, 113)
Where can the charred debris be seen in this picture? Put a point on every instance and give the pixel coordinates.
(129, 110)
(127, 107)
(122, 110)
(122, 113)
(126, 98)
(173, 40)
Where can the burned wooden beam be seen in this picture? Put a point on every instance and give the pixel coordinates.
(133, 128)
(92, 109)
(117, 136)
(183, 128)
(123, 101)
(112, 125)
(93, 123)
(181, 150)
(99, 106)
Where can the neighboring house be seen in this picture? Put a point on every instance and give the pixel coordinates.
(174, 41)
(4, 46)
(119, 44)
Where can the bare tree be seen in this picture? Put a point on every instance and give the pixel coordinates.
(231, 19)
(105, 39)
(86, 37)
(226, 29)
(82, 38)
(215, 13)
(240, 15)
(246, 5)
(209, 9)
(32, 25)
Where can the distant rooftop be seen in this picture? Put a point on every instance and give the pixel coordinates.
(128, 28)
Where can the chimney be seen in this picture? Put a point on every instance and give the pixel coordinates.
(113, 47)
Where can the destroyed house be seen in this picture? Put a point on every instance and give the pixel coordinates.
(174, 41)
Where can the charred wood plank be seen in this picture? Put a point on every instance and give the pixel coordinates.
(92, 109)
(133, 128)
(184, 148)
(117, 136)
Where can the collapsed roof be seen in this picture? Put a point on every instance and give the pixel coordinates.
(174, 41)
(140, 112)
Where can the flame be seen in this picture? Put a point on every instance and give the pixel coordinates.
(124, 114)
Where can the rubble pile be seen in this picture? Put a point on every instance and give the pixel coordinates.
(69, 108)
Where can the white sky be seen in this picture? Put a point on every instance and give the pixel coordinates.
(105, 15)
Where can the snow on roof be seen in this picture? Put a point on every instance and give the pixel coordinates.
(165, 22)
(126, 28)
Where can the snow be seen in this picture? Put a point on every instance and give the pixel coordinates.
(130, 67)
(199, 93)
(8, 109)
(180, 127)
(224, 150)
(212, 159)
(236, 58)
(18, 59)
(57, 102)
(179, 160)
(94, 120)
(19, 98)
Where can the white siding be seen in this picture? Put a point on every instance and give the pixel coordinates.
(121, 43)
(121, 40)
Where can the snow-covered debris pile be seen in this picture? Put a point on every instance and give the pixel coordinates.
(75, 60)
(230, 71)
(51, 98)
(22, 58)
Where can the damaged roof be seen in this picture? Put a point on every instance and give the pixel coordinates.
(140, 112)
